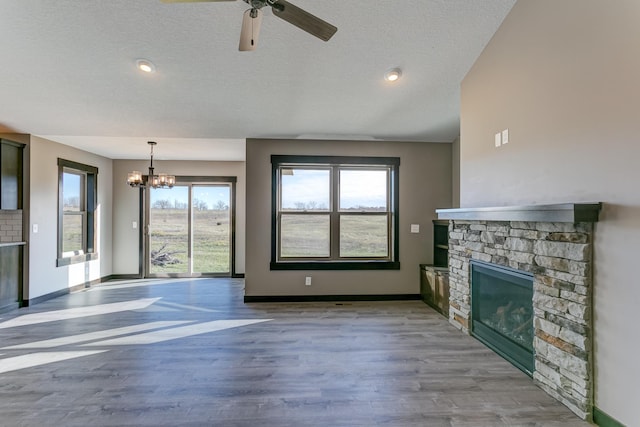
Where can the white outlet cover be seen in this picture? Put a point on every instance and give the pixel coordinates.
(35, 228)
(498, 139)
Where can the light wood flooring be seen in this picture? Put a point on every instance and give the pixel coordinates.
(191, 353)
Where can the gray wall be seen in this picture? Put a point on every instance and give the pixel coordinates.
(562, 76)
(425, 184)
(126, 208)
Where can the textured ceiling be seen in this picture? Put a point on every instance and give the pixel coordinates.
(68, 73)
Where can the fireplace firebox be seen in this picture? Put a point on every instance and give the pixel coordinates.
(502, 312)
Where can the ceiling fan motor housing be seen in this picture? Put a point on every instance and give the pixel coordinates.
(259, 4)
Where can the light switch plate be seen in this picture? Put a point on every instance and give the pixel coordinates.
(415, 228)
(498, 139)
(505, 136)
(35, 228)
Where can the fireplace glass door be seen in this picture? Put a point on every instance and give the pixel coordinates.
(502, 312)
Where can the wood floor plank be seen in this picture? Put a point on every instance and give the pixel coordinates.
(395, 363)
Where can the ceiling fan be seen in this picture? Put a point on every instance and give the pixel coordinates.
(282, 9)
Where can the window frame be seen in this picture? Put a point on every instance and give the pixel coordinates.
(334, 261)
(88, 205)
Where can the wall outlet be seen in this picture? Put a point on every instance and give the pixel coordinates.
(35, 228)
(134, 224)
(307, 281)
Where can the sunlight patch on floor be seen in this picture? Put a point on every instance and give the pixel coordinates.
(74, 313)
(108, 333)
(107, 286)
(38, 359)
(175, 333)
(187, 307)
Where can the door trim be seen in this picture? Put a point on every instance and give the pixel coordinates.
(191, 180)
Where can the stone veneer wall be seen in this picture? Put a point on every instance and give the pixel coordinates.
(559, 255)
(10, 226)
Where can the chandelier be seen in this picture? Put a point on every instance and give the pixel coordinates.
(162, 180)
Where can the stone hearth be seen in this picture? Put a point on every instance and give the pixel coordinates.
(557, 248)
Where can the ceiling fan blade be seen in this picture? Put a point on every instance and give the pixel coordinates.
(303, 20)
(250, 29)
(191, 1)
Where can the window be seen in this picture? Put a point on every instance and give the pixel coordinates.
(334, 213)
(77, 191)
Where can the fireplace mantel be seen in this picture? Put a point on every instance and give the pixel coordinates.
(561, 212)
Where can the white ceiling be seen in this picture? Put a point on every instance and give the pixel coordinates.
(68, 73)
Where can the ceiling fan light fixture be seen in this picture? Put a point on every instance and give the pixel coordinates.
(393, 75)
(145, 66)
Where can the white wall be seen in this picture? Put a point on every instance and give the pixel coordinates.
(126, 208)
(563, 77)
(44, 276)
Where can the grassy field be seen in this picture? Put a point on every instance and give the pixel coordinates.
(303, 236)
(168, 240)
(363, 236)
(308, 236)
(168, 235)
(72, 233)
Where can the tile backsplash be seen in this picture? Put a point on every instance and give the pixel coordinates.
(10, 226)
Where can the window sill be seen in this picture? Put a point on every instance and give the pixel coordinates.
(335, 265)
(76, 259)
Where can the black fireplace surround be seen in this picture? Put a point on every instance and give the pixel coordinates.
(502, 312)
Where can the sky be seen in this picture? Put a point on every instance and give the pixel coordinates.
(210, 194)
(357, 188)
(71, 188)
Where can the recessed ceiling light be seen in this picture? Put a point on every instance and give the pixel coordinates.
(146, 66)
(393, 75)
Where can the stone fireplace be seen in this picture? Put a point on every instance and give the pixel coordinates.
(554, 245)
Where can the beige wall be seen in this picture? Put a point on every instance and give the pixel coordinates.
(563, 77)
(126, 208)
(44, 276)
(425, 184)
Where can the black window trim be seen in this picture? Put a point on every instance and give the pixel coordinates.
(91, 184)
(394, 165)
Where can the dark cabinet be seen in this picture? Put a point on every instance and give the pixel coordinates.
(440, 243)
(11, 218)
(10, 175)
(10, 276)
(434, 278)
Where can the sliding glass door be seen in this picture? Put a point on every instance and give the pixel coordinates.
(189, 230)
(211, 222)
